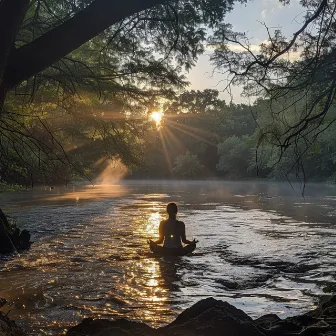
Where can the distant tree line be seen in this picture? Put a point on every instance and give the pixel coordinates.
(204, 137)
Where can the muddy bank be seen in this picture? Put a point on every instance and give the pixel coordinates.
(214, 317)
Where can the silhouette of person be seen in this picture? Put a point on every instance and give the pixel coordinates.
(172, 231)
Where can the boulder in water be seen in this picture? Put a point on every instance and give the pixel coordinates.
(11, 240)
(213, 317)
(207, 317)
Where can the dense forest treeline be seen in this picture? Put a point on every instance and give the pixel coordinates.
(200, 136)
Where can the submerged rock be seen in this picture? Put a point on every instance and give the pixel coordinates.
(213, 317)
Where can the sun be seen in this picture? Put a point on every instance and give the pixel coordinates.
(157, 117)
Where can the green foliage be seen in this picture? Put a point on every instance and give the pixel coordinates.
(187, 165)
(235, 156)
(4, 186)
(201, 136)
(295, 76)
(91, 105)
(236, 141)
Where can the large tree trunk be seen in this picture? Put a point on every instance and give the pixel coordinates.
(12, 14)
(37, 55)
(17, 65)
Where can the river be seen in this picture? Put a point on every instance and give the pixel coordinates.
(262, 247)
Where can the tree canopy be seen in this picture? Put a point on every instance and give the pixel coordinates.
(37, 34)
(79, 77)
(85, 73)
(295, 75)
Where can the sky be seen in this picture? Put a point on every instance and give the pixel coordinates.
(248, 18)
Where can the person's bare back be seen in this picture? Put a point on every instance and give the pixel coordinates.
(172, 231)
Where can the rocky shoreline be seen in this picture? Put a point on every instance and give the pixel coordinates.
(213, 317)
(207, 317)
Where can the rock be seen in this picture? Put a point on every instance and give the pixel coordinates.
(3, 302)
(6, 245)
(121, 327)
(207, 317)
(215, 321)
(328, 308)
(217, 318)
(9, 241)
(267, 321)
(203, 305)
(24, 240)
(9, 328)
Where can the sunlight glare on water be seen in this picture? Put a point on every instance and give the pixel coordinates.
(152, 224)
(262, 248)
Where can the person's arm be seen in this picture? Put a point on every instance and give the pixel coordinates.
(161, 234)
(183, 235)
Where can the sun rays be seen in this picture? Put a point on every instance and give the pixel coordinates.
(157, 118)
(171, 132)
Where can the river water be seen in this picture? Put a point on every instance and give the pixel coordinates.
(262, 247)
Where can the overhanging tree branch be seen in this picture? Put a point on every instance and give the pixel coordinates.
(60, 41)
(11, 17)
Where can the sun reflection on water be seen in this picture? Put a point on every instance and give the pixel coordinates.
(143, 286)
(152, 224)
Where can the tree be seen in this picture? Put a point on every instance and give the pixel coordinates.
(187, 165)
(57, 28)
(50, 59)
(235, 156)
(299, 90)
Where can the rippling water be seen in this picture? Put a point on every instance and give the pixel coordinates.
(263, 248)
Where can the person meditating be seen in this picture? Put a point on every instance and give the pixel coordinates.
(172, 231)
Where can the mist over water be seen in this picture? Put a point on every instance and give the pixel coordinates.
(113, 173)
(263, 247)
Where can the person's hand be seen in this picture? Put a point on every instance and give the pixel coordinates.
(195, 241)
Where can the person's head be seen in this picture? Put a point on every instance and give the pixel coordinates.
(172, 209)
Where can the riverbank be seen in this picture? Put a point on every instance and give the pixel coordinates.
(208, 317)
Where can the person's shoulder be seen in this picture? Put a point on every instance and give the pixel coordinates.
(180, 222)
